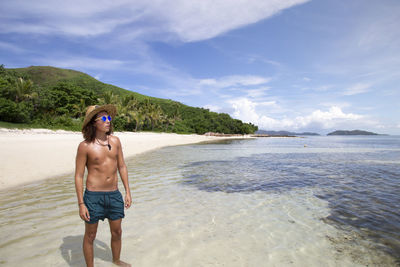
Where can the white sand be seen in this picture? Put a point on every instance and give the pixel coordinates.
(37, 154)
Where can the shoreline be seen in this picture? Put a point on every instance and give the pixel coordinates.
(39, 154)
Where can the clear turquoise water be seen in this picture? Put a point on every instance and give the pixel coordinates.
(358, 175)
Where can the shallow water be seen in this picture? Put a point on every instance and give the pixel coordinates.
(312, 201)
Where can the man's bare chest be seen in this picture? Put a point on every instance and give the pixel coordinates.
(99, 155)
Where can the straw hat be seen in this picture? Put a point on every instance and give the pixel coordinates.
(93, 110)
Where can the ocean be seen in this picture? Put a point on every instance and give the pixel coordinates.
(307, 201)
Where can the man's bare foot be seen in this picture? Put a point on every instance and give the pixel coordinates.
(121, 263)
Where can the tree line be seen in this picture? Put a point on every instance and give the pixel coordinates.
(63, 105)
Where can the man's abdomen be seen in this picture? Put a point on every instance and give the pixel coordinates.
(102, 182)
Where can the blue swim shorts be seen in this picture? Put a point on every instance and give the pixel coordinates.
(103, 205)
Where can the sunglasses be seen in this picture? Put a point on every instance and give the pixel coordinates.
(104, 118)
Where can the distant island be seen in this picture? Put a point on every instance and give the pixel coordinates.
(283, 133)
(354, 132)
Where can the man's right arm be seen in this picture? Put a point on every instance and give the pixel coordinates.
(80, 164)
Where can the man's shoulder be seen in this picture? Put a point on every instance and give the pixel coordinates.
(83, 145)
(114, 138)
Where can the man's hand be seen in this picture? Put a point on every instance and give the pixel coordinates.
(84, 213)
(128, 201)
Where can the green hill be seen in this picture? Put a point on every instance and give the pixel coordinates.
(353, 132)
(50, 97)
(47, 76)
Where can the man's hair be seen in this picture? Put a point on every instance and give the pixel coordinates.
(89, 132)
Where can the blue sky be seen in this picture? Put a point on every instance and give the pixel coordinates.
(293, 65)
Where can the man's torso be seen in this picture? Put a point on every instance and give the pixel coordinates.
(102, 165)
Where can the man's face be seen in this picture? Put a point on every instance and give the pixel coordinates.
(100, 124)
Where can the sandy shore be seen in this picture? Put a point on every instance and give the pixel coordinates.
(37, 154)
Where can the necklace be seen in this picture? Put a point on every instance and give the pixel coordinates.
(108, 143)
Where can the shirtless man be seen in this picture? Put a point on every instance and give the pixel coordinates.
(101, 153)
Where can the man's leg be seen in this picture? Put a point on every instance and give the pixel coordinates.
(90, 235)
(116, 233)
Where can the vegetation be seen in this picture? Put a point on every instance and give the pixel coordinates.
(354, 132)
(56, 98)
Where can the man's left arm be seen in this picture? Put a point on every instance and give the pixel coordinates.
(123, 172)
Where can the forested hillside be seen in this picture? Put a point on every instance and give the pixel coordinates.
(57, 98)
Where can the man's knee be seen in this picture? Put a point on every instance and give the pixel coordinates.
(90, 236)
(116, 233)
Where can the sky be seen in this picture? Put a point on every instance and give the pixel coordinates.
(294, 65)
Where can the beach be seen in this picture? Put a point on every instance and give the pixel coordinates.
(238, 202)
(37, 154)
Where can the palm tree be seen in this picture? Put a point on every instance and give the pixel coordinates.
(127, 106)
(167, 120)
(127, 103)
(155, 115)
(23, 90)
(145, 108)
(164, 119)
(139, 118)
(108, 98)
(176, 116)
(80, 108)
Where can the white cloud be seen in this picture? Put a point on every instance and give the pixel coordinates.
(82, 63)
(368, 50)
(193, 21)
(257, 58)
(245, 109)
(336, 104)
(319, 88)
(11, 47)
(379, 31)
(267, 103)
(257, 93)
(323, 88)
(234, 80)
(356, 89)
(188, 20)
(212, 108)
(80, 18)
(185, 85)
(327, 119)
